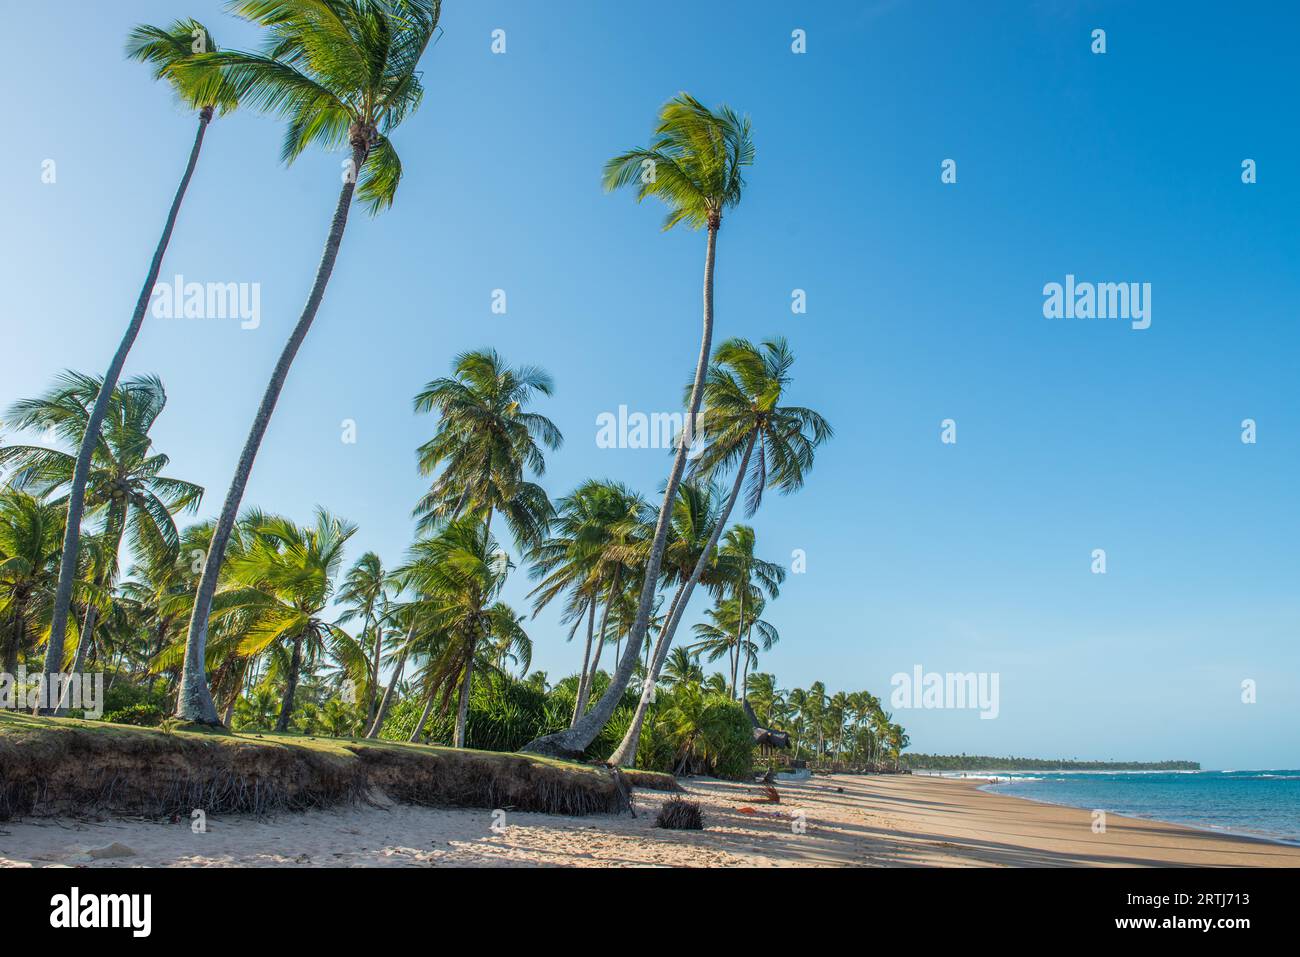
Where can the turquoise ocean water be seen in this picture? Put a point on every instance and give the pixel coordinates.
(1258, 803)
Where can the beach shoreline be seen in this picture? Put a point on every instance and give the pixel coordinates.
(829, 821)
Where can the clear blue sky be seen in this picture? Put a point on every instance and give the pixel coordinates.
(924, 303)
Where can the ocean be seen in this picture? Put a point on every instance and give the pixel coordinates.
(1255, 803)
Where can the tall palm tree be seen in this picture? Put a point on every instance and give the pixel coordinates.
(124, 483)
(727, 632)
(284, 580)
(460, 572)
(339, 71)
(366, 593)
(485, 440)
(592, 549)
(201, 89)
(31, 531)
(745, 428)
(695, 164)
(408, 621)
(746, 571)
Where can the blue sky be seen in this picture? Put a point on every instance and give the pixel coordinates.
(924, 303)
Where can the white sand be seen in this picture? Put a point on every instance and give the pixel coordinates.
(834, 821)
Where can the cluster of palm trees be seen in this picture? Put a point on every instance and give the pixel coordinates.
(837, 729)
(233, 608)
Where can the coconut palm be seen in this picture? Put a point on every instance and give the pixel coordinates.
(339, 71)
(366, 593)
(766, 698)
(162, 584)
(746, 572)
(283, 580)
(592, 550)
(727, 632)
(31, 531)
(745, 429)
(459, 574)
(203, 90)
(124, 484)
(682, 667)
(407, 621)
(695, 164)
(485, 440)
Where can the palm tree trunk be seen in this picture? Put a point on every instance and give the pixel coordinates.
(79, 659)
(14, 644)
(194, 698)
(625, 754)
(81, 471)
(424, 717)
(387, 701)
(580, 700)
(462, 709)
(291, 686)
(740, 626)
(577, 739)
(600, 645)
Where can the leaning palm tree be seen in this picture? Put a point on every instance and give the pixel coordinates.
(695, 165)
(745, 428)
(203, 89)
(340, 71)
(124, 483)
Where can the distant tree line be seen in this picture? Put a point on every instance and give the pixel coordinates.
(983, 762)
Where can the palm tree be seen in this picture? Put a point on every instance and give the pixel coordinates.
(727, 632)
(484, 441)
(682, 667)
(201, 89)
(767, 699)
(814, 714)
(408, 621)
(695, 165)
(459, 573)
(797, 702)
(592, 549)
(743, 422)
(738, 562)
(366, 592)
(284, 581)
(124, 482)
(339, 71)
(31, 531)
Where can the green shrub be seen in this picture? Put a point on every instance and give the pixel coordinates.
(142, 714)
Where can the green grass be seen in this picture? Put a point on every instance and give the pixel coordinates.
(52, 766)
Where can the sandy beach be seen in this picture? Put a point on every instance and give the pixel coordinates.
(840, 821)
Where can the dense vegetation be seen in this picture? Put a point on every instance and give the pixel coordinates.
(983, 762)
